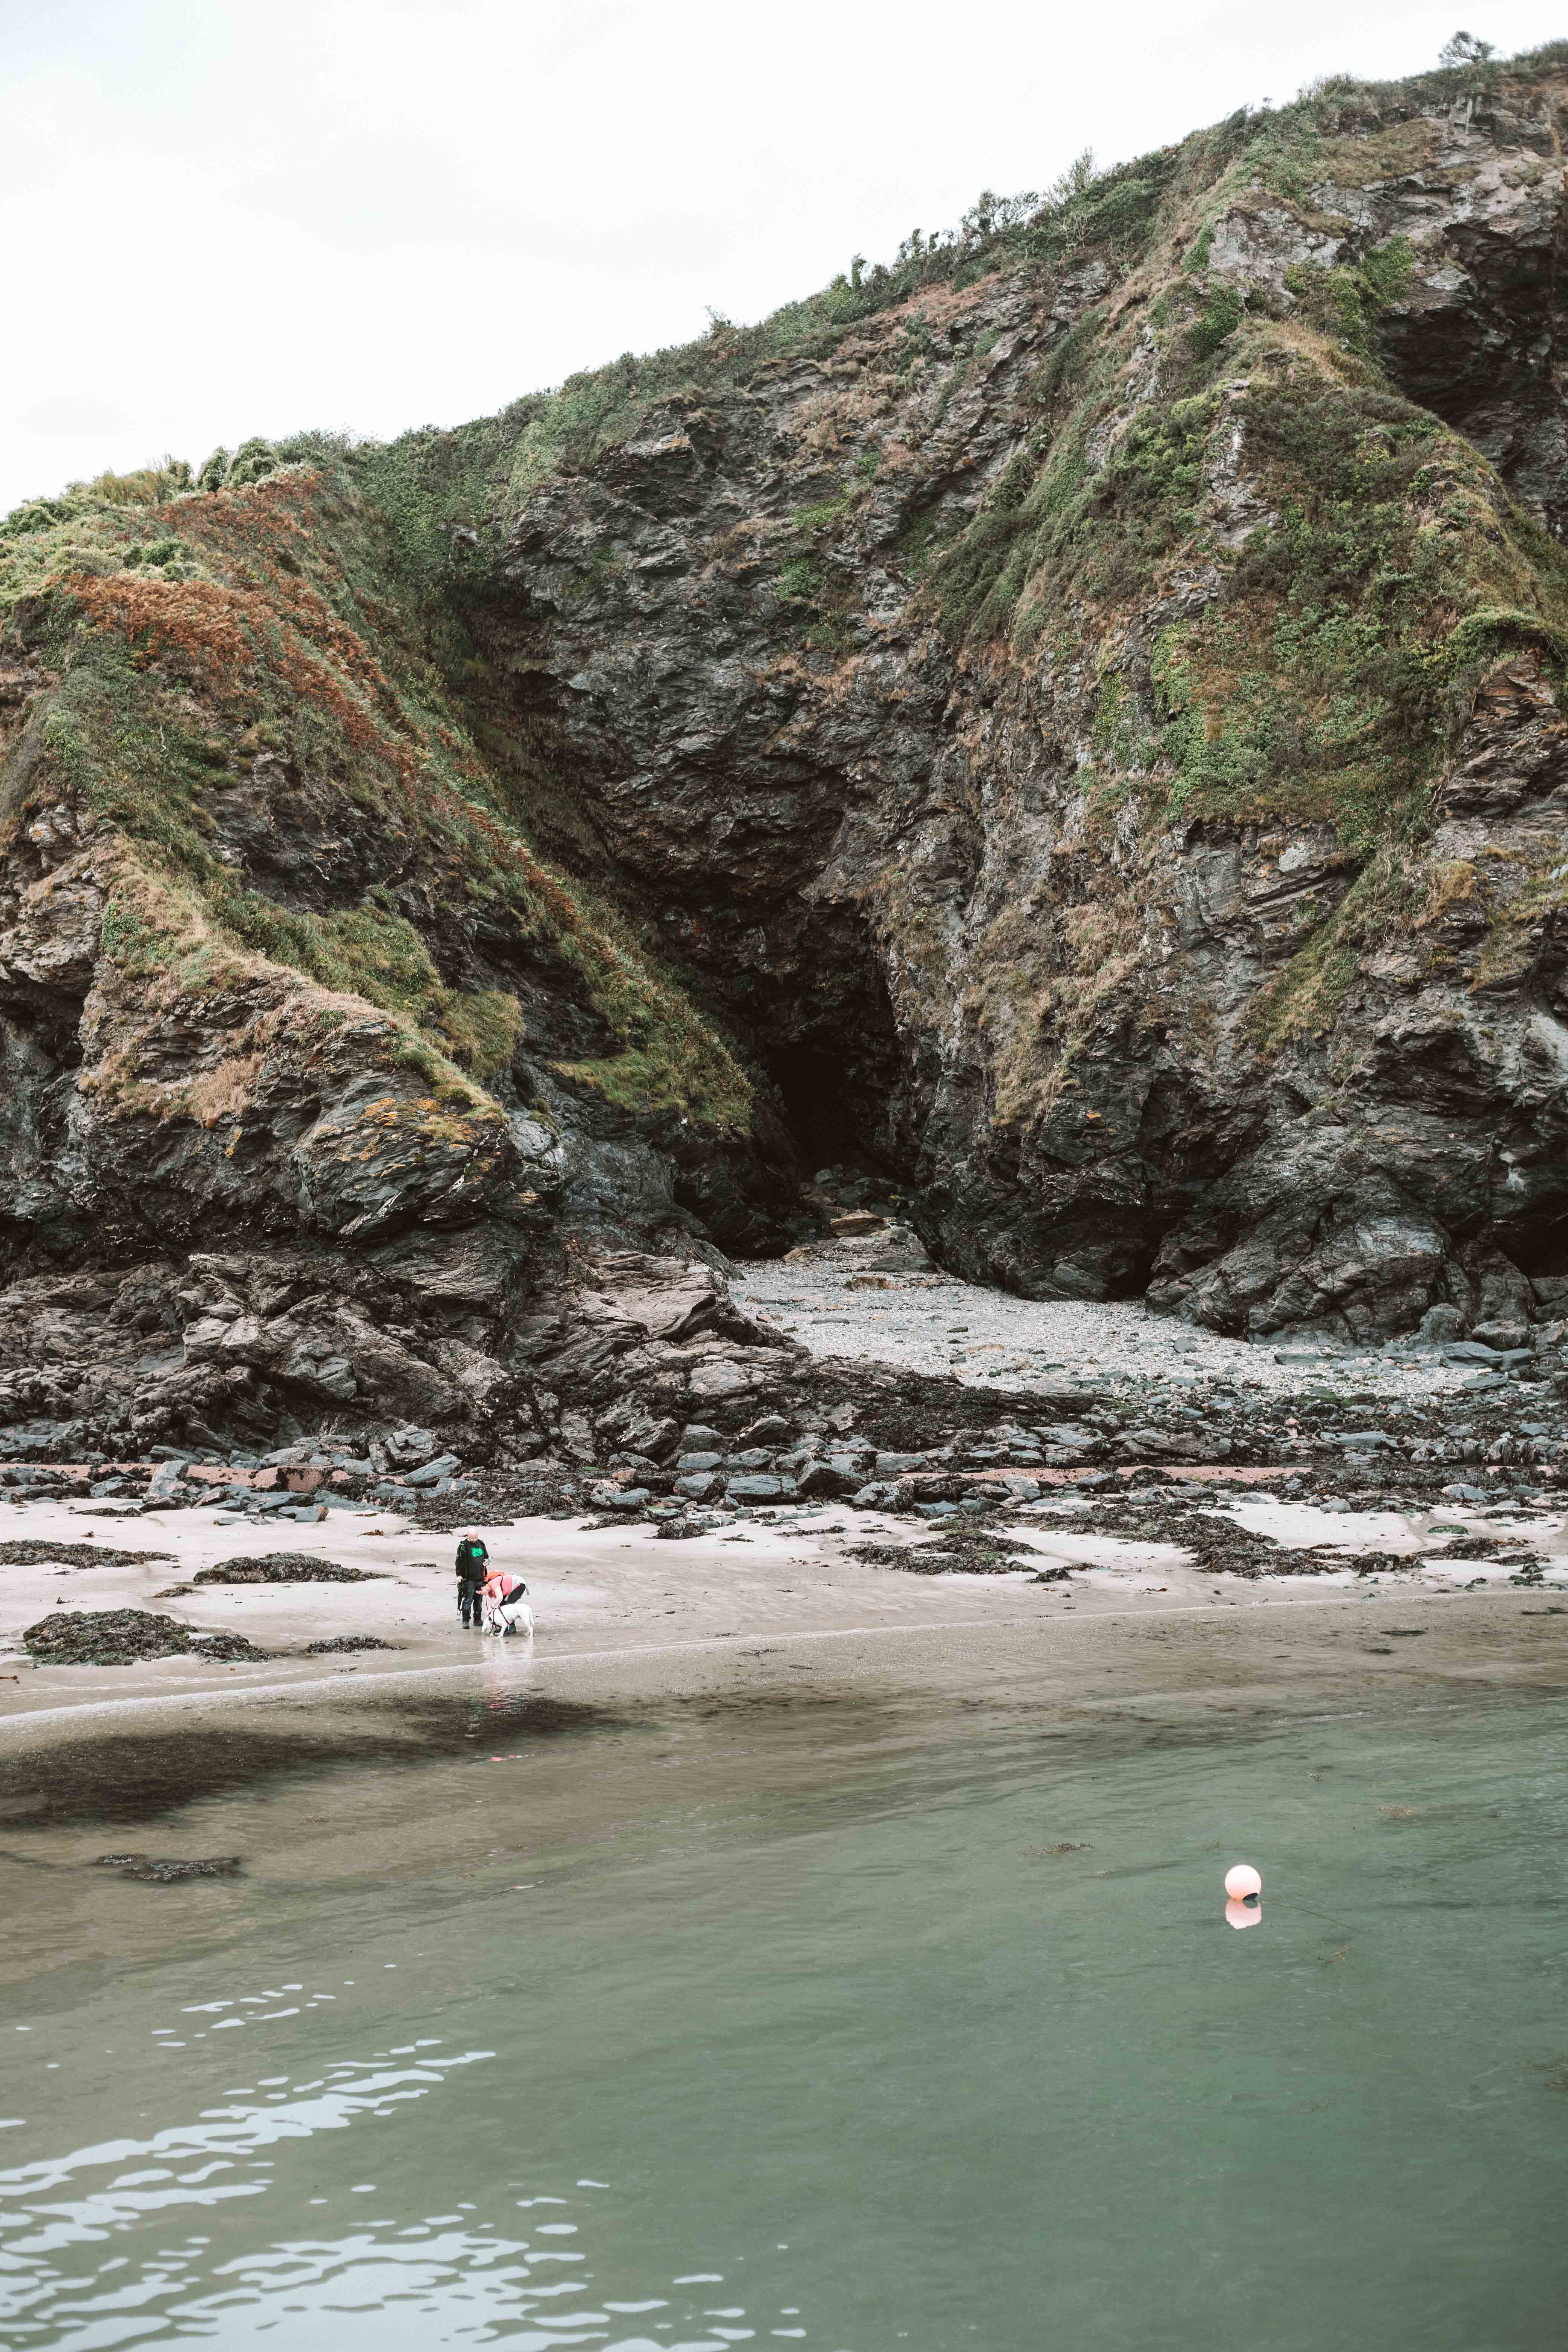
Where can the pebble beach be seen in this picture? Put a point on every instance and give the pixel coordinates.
(935, 1323)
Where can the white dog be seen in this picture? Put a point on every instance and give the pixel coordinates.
(507, 1611)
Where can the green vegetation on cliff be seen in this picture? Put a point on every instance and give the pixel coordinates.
(186, 635)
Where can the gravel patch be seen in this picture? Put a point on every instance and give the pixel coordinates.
(932, 1323)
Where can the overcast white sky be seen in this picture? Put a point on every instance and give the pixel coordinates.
(227, 217)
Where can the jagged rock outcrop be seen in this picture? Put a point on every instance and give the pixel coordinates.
(455, 1330)
(318, 1084)
(1073, 722)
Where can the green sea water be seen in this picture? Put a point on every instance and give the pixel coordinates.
(853, 2058)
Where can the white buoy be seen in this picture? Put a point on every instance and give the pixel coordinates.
(1242, 1883)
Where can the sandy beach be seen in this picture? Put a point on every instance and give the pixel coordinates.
(621, 1611)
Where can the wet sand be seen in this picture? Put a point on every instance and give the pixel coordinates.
(623, 1615)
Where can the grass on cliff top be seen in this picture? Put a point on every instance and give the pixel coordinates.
(1324, 670)
(434, 484)
(278, 630)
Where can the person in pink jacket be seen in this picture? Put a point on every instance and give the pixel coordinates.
(506, 1603)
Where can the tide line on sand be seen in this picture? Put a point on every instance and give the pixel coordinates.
(523, 1668)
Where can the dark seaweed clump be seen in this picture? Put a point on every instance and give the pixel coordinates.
(283, 1568)
(165, 1871)
(117, 1637)
(30, 1553)
(975, 1554)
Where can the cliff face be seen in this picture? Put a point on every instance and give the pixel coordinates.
(322, 1092)
(1100, 721)
(1074, 721)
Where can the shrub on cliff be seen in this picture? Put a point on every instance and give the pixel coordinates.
(251, 462)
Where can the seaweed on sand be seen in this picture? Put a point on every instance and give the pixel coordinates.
(117, 1637)
(283, 1568)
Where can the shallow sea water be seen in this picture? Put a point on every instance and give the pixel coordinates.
(846, 2056)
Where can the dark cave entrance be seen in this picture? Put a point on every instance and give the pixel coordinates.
(824, 1106)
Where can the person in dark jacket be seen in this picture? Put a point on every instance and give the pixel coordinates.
(473, 1567)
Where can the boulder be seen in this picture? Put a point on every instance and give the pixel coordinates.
(822, 1482)
(720, 1377)
(606, 1495)
(1148, 1445)
(1503, 1333)
(409, 1448)
(431, 1474)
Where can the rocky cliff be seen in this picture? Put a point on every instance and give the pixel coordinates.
(322, 1091)
(1071, 722)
